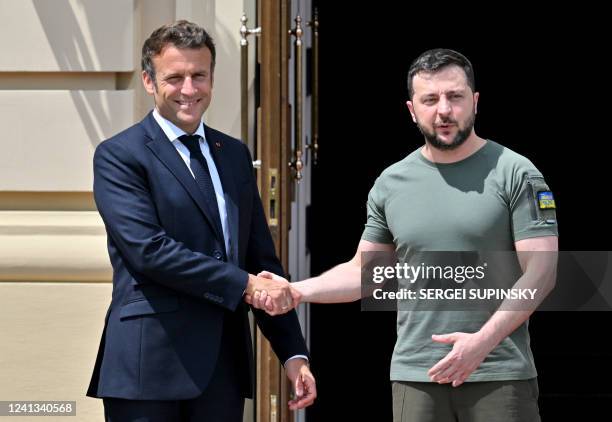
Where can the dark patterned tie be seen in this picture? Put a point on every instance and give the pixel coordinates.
(200, 170)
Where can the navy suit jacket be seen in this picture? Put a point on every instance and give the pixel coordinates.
(173, 285)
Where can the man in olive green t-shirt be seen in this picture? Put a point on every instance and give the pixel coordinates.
(459, 192)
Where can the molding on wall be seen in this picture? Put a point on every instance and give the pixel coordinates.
(53, 246)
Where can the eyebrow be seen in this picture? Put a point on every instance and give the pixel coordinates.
(172, 75)
(450, 92)
(181, 75)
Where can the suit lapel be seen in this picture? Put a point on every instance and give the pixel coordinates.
(224, 167)
(169, 156)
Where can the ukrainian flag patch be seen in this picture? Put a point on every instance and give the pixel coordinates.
(546, 201)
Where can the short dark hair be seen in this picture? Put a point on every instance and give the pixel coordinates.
(435, 60)
(181, 34)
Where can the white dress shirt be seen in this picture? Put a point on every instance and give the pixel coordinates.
(173, 133)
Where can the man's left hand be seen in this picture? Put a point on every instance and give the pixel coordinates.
(303, 383)
(469, 350)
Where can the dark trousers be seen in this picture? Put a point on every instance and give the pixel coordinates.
(493, 401)
(222, 400)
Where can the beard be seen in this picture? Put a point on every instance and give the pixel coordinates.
(462, 134)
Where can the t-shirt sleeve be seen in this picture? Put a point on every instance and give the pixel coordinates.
(376, 228)
(532, 203)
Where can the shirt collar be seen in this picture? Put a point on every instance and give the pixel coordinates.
(172, 131)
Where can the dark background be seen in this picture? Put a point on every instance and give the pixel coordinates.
(544, 92)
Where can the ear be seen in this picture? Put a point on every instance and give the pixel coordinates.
(411, 108)
(148, 83)
(476, 96)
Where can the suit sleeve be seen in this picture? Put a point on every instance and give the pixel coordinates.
(283, 331)
(123, 198)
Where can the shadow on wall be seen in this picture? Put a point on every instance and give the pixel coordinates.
(86, 47)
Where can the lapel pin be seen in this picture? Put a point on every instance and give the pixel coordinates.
(218, 144)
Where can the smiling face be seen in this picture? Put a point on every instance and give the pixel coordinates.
(444, 107)
(182, 88)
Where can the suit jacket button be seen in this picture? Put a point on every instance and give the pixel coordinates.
(217, 254)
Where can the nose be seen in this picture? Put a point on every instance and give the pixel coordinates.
(187, 88)
(444, 107)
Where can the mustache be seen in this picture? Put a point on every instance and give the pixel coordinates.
(446, 122)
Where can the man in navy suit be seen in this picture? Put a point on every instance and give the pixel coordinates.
(186, 232)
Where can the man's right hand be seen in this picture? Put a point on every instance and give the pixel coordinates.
(271, 293)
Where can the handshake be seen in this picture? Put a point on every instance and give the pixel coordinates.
(272, 293)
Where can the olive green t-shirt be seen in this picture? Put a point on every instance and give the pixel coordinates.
(485, 202)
